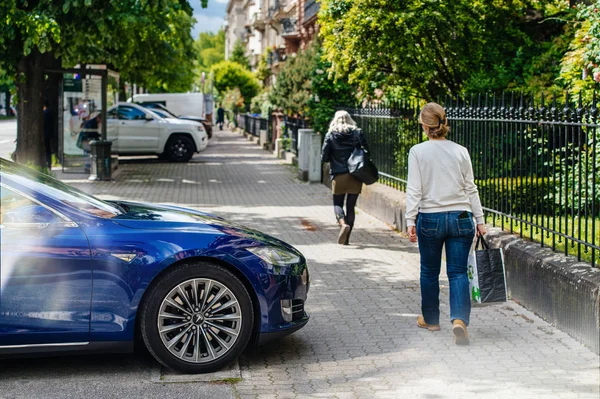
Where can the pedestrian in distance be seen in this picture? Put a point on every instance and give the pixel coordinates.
(441, 201)
(342, 138)
(220, 117)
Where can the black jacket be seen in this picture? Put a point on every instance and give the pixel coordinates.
(338, 147)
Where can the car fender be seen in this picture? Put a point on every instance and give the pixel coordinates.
(120, 282)
(192, 133)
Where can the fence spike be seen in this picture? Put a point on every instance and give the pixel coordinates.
(543, 104)
(521, 100)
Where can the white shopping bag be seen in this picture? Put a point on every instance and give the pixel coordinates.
(473, 280)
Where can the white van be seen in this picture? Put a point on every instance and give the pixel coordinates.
(178, 103)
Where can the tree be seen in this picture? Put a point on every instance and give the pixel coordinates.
(239, 55)
(210, 50)
(292, 90)
(147, 40)
(580, 66)
(230, 75)
(431, 48)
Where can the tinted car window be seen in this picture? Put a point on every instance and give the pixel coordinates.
(130, 113)
(58, 190)
(112, 114)
(15, 208)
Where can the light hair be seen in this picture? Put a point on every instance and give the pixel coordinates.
(342, 122)
(433, 118)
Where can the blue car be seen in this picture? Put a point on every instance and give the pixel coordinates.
(79, 274)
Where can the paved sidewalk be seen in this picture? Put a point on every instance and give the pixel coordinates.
(362, 340)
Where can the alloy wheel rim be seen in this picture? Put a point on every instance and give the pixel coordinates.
(180, 148)
(199, 320)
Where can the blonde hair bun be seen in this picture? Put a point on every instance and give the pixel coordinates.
(433, 118)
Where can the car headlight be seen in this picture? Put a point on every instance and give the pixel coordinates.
(200, 128)
(275, 256)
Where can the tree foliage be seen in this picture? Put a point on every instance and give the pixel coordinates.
(230, 75)
(239, 55)
(292, 89)
(210, 50)
(305, 87)
(147, 41)
(580, 66)
(432, 47)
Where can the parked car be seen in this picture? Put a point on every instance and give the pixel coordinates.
(137, 130)
(164, 112)
(80, 274)
(179, 103)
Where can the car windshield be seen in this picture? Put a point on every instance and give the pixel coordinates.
(162, 113)
(58, 190)
(160, 108)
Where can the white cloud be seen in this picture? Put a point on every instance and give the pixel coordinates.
(222, 1)
(205, 23)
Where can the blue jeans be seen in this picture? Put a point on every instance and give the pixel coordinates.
(433, 231)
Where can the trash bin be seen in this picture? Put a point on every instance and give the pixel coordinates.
(100, 160)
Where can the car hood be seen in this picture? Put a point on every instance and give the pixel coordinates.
(182, 121)
(167, 217)
(192, 117)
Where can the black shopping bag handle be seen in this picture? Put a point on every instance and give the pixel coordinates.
(484, 244)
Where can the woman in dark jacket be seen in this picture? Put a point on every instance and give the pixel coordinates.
(341, 139)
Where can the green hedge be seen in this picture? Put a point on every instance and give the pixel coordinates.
(518, 195)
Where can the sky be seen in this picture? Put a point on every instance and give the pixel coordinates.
(208, 19)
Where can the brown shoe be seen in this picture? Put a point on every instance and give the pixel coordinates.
(459, 329)
(344, 233)
(431, 327)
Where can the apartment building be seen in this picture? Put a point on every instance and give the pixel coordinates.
(235, 23)
(281, 27)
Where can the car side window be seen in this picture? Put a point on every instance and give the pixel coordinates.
(112, 114)
(130, 113)
(17, 209)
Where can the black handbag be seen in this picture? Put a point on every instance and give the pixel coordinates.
(360, 164)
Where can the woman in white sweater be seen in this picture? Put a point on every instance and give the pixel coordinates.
(441, 201)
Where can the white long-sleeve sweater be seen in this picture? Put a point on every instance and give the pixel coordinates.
(440, 179)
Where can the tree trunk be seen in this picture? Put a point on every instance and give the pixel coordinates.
(30, 115)
(52, 98)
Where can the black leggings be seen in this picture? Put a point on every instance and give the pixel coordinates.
(338, 207)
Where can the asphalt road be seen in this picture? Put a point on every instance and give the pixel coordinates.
(8, 134)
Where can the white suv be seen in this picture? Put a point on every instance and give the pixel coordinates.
(135, 130)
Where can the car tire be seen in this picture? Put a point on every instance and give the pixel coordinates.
(179, 148)
(196, 333)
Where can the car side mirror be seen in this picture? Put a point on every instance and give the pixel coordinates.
(149, 118)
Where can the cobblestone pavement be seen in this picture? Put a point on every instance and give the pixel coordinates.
(362, 340)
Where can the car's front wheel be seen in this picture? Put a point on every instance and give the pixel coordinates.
(179, 148)
(197, 318)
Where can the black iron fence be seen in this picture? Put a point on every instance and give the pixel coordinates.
(254, 124)
(290, 130)
(535, 163)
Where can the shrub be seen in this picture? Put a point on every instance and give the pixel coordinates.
(517, 195)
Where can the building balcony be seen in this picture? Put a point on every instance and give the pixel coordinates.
(258, 21)
(311, 9)
(289, 27)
